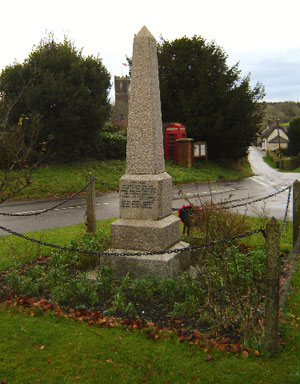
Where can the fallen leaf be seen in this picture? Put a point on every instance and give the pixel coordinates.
(197, 334)
(151, 335)
(150, 324)
(57, 309)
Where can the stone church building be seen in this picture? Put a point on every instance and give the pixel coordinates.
(120, 115)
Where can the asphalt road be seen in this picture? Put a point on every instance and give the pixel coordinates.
(265, 182)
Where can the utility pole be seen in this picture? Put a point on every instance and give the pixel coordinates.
(277, 126)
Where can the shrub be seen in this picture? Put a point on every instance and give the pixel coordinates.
(69, 92)
(142, 289)
(227, 294)
(294, 136)
(113, 142)
(231, 275)
(76, 292)
(286, 163)
(104, 280)
(232, 279)
(214, 222)
(98, 242)
(30, 283)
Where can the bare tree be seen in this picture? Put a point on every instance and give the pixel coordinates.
(20, 151)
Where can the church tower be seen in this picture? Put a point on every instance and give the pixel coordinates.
(120, 115)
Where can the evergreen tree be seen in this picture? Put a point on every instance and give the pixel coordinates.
(199, 90)
(294, 136)
(69, 92)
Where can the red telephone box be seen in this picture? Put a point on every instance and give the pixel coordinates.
(173, 132)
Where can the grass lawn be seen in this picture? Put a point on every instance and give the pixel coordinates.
(269, 161)
(63, 180)
(50, 349)
(39, 347)
(46, 348)
(15, 251)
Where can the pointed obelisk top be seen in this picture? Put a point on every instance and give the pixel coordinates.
(145, 153)
(144, 32)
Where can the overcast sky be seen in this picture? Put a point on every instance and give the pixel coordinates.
(262, 35)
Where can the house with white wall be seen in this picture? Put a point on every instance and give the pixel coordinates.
(274, 137)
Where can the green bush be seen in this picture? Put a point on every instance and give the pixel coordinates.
(233, 280)
(69, 92)
(289, 163)
(226, 295)
(104, 280)
(30, 283)
(143, 289)
(286, 163)
(98, 242)
(296, 161)
(76, 292)
(113, 142)
(274, 158)
(294, 136)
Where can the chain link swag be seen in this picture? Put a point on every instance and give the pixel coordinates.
(177, 250)
(49, 209)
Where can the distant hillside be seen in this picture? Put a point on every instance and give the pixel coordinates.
(284, 111)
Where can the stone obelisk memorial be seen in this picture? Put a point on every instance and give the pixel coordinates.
(146, 221)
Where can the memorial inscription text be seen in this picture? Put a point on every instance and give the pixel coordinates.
(137, 194)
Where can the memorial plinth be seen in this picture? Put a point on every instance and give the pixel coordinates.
(146, 222)
(165, 265)
(145, 197)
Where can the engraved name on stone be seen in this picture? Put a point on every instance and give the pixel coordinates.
(138, 195)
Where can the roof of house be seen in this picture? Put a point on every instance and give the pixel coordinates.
(275, 140)
(270, 128)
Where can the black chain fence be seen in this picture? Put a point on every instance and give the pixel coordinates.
(289, 188)
(40, 212)
(105, 185)
(259, 199)
(242, 198)
(286, 211)
(193, 248)
(150, 253)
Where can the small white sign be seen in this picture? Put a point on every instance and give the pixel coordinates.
(202, 152)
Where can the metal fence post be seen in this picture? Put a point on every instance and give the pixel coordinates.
(90, 204)
(296, 210)
(272, 271)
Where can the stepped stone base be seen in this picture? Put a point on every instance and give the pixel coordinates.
(163, 265)
(145, 235)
